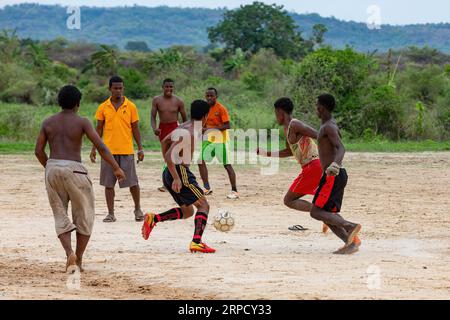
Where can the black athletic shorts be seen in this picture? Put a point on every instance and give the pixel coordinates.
(330, 192)
(190, 191)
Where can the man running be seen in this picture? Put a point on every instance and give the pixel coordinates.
(217, 127)
(118, 123)
(328, 198)
(168, 107)
(66, 178)
(300, 144)
(178, 148)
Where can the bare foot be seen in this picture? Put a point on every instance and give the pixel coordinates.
(80, 264)
(71, 263)
(347, 250)
(352, 234)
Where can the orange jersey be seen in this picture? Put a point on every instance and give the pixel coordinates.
(217, 116)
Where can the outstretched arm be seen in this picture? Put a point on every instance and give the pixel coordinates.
(285, 153)
(39, 150)
(102, 149)
(299, 128)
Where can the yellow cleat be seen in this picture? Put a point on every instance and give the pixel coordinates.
(200, 247)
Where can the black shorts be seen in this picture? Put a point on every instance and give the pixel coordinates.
(330, 192)
(190, 191)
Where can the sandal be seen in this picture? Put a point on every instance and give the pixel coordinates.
(298, 228)
(110, 218)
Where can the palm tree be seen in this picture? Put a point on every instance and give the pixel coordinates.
(38, 56)
(106, 60)
(169, 58)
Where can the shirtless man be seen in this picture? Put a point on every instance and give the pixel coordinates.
(181, 182)
(167, 106)
(328, 198)
(66, 179)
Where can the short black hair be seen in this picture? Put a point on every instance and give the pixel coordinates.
(167, 80)
(284, 104)
(199, 109)
(115, 79)
(213, 89)
(327, 101)
(69, 97)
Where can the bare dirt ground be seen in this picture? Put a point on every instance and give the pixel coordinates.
(402, 201)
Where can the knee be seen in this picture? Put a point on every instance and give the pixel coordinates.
(287, 201)
(315, 214)
(204, 206)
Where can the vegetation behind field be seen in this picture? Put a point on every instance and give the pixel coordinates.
(385, 102)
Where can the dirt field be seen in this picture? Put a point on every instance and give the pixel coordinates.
(402, 201)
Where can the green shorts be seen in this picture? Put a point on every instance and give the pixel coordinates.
(211, 150)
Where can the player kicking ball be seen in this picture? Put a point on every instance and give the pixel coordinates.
(300, 144)
(328, 198)
(181, 182)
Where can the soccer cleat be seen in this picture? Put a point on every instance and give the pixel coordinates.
(148, 225)
(200, 247)
(233, 195)
(208, 192)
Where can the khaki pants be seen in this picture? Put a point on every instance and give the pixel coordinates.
(66, 181)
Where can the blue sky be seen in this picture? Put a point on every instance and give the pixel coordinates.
(392, 11)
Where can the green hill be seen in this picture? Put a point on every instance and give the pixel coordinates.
(164, 26)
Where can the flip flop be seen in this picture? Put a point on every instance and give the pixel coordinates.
(110, 218)
(298, 227)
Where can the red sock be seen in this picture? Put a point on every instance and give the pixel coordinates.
(172, 214)
(200, 223)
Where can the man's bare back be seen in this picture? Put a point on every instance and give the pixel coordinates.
(64, 132)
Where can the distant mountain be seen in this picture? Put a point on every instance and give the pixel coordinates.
(164, 26)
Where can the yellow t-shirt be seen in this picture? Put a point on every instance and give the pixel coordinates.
(217, 116)
(117, 132)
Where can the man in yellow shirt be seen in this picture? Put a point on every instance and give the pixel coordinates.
(118, 122)
(216, 145)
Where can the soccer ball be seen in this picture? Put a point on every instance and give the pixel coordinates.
(223, 221)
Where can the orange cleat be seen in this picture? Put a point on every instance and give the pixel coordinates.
(200, 247)
(148, 225)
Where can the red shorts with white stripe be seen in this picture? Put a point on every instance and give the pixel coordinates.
(308, 180)
(330, 193)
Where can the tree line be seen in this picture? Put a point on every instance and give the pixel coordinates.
(402, 94)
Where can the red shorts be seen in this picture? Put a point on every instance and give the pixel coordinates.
(308, 180)
(166, 129)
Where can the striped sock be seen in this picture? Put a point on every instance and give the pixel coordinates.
(172, 214)
(200, 224)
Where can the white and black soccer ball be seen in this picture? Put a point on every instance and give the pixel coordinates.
(223, 221)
